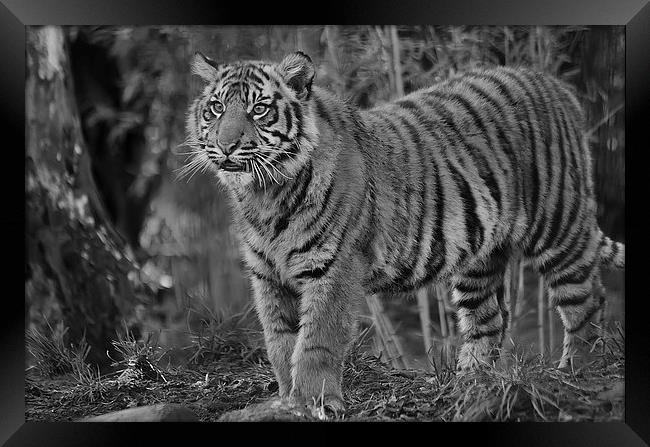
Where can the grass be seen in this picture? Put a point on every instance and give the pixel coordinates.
(220, 336)
(50, 351)
(521, 388)
(229, 371)
(139, 360)
(54, 357)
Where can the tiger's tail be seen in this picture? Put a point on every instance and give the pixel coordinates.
(612, 253)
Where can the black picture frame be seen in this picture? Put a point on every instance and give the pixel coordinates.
(16, 14)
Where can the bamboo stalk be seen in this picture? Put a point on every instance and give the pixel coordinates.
(425, 319)
(386, 332)
(330, 37)
(512, 290)
(531, 46)
(506, 46)
(178, 284)
(509, 294)
(446, 328)
(392, 339)
(442, 315)
(386, 56)
(541, 305)
(300, 43)
(520, 286)
(441, 291)
(331, 33)
(397, 66)
(551, 329)
(380, 335)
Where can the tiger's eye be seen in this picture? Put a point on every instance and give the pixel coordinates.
(208, 115)
(217, 108)
(259, 109)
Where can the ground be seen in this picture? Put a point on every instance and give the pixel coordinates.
(237, 375)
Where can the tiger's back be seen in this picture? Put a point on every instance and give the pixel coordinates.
(485, 164)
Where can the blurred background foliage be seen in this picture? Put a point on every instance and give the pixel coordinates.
(132, 85)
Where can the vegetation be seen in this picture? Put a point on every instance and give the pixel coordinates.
(520, 388)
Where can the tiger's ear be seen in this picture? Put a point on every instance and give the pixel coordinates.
(298, 72)
(204, 66)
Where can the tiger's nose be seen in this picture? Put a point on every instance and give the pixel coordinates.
(227, 148)
(228, 138)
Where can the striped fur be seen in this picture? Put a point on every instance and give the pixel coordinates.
(446, 183)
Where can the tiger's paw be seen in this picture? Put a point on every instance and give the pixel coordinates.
(579, 348)
(323, 407)
(476, 355)
(327, 407)
(578, 357)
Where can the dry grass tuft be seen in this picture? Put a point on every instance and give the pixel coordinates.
(140, 359)
(237, 336)
(54, 357)
(51, 354)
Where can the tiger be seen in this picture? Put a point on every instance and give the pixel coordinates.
(447, 183)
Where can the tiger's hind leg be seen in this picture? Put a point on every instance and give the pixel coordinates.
(481, 316)
(575, 290)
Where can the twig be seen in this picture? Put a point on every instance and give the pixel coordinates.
(425, 320)
(604, 120)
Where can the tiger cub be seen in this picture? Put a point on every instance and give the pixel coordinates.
(446, 183)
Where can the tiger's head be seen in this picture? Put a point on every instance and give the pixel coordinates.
(252, 124)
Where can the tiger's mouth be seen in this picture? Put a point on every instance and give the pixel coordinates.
(235, 166)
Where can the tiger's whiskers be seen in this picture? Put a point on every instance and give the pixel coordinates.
(272, 166)
(267, 169)
(260, 176)
(200, 162)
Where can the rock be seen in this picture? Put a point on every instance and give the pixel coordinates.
(274, 410)
(150, 413)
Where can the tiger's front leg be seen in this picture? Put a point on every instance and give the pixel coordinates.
(277, 309)
(327, 326)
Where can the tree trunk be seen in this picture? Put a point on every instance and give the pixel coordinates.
(69, 236)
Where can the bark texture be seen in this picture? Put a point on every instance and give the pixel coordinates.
(70, 239)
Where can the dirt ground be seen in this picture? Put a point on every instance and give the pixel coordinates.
(521, 390)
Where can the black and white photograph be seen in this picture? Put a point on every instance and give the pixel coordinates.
(367, 223)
